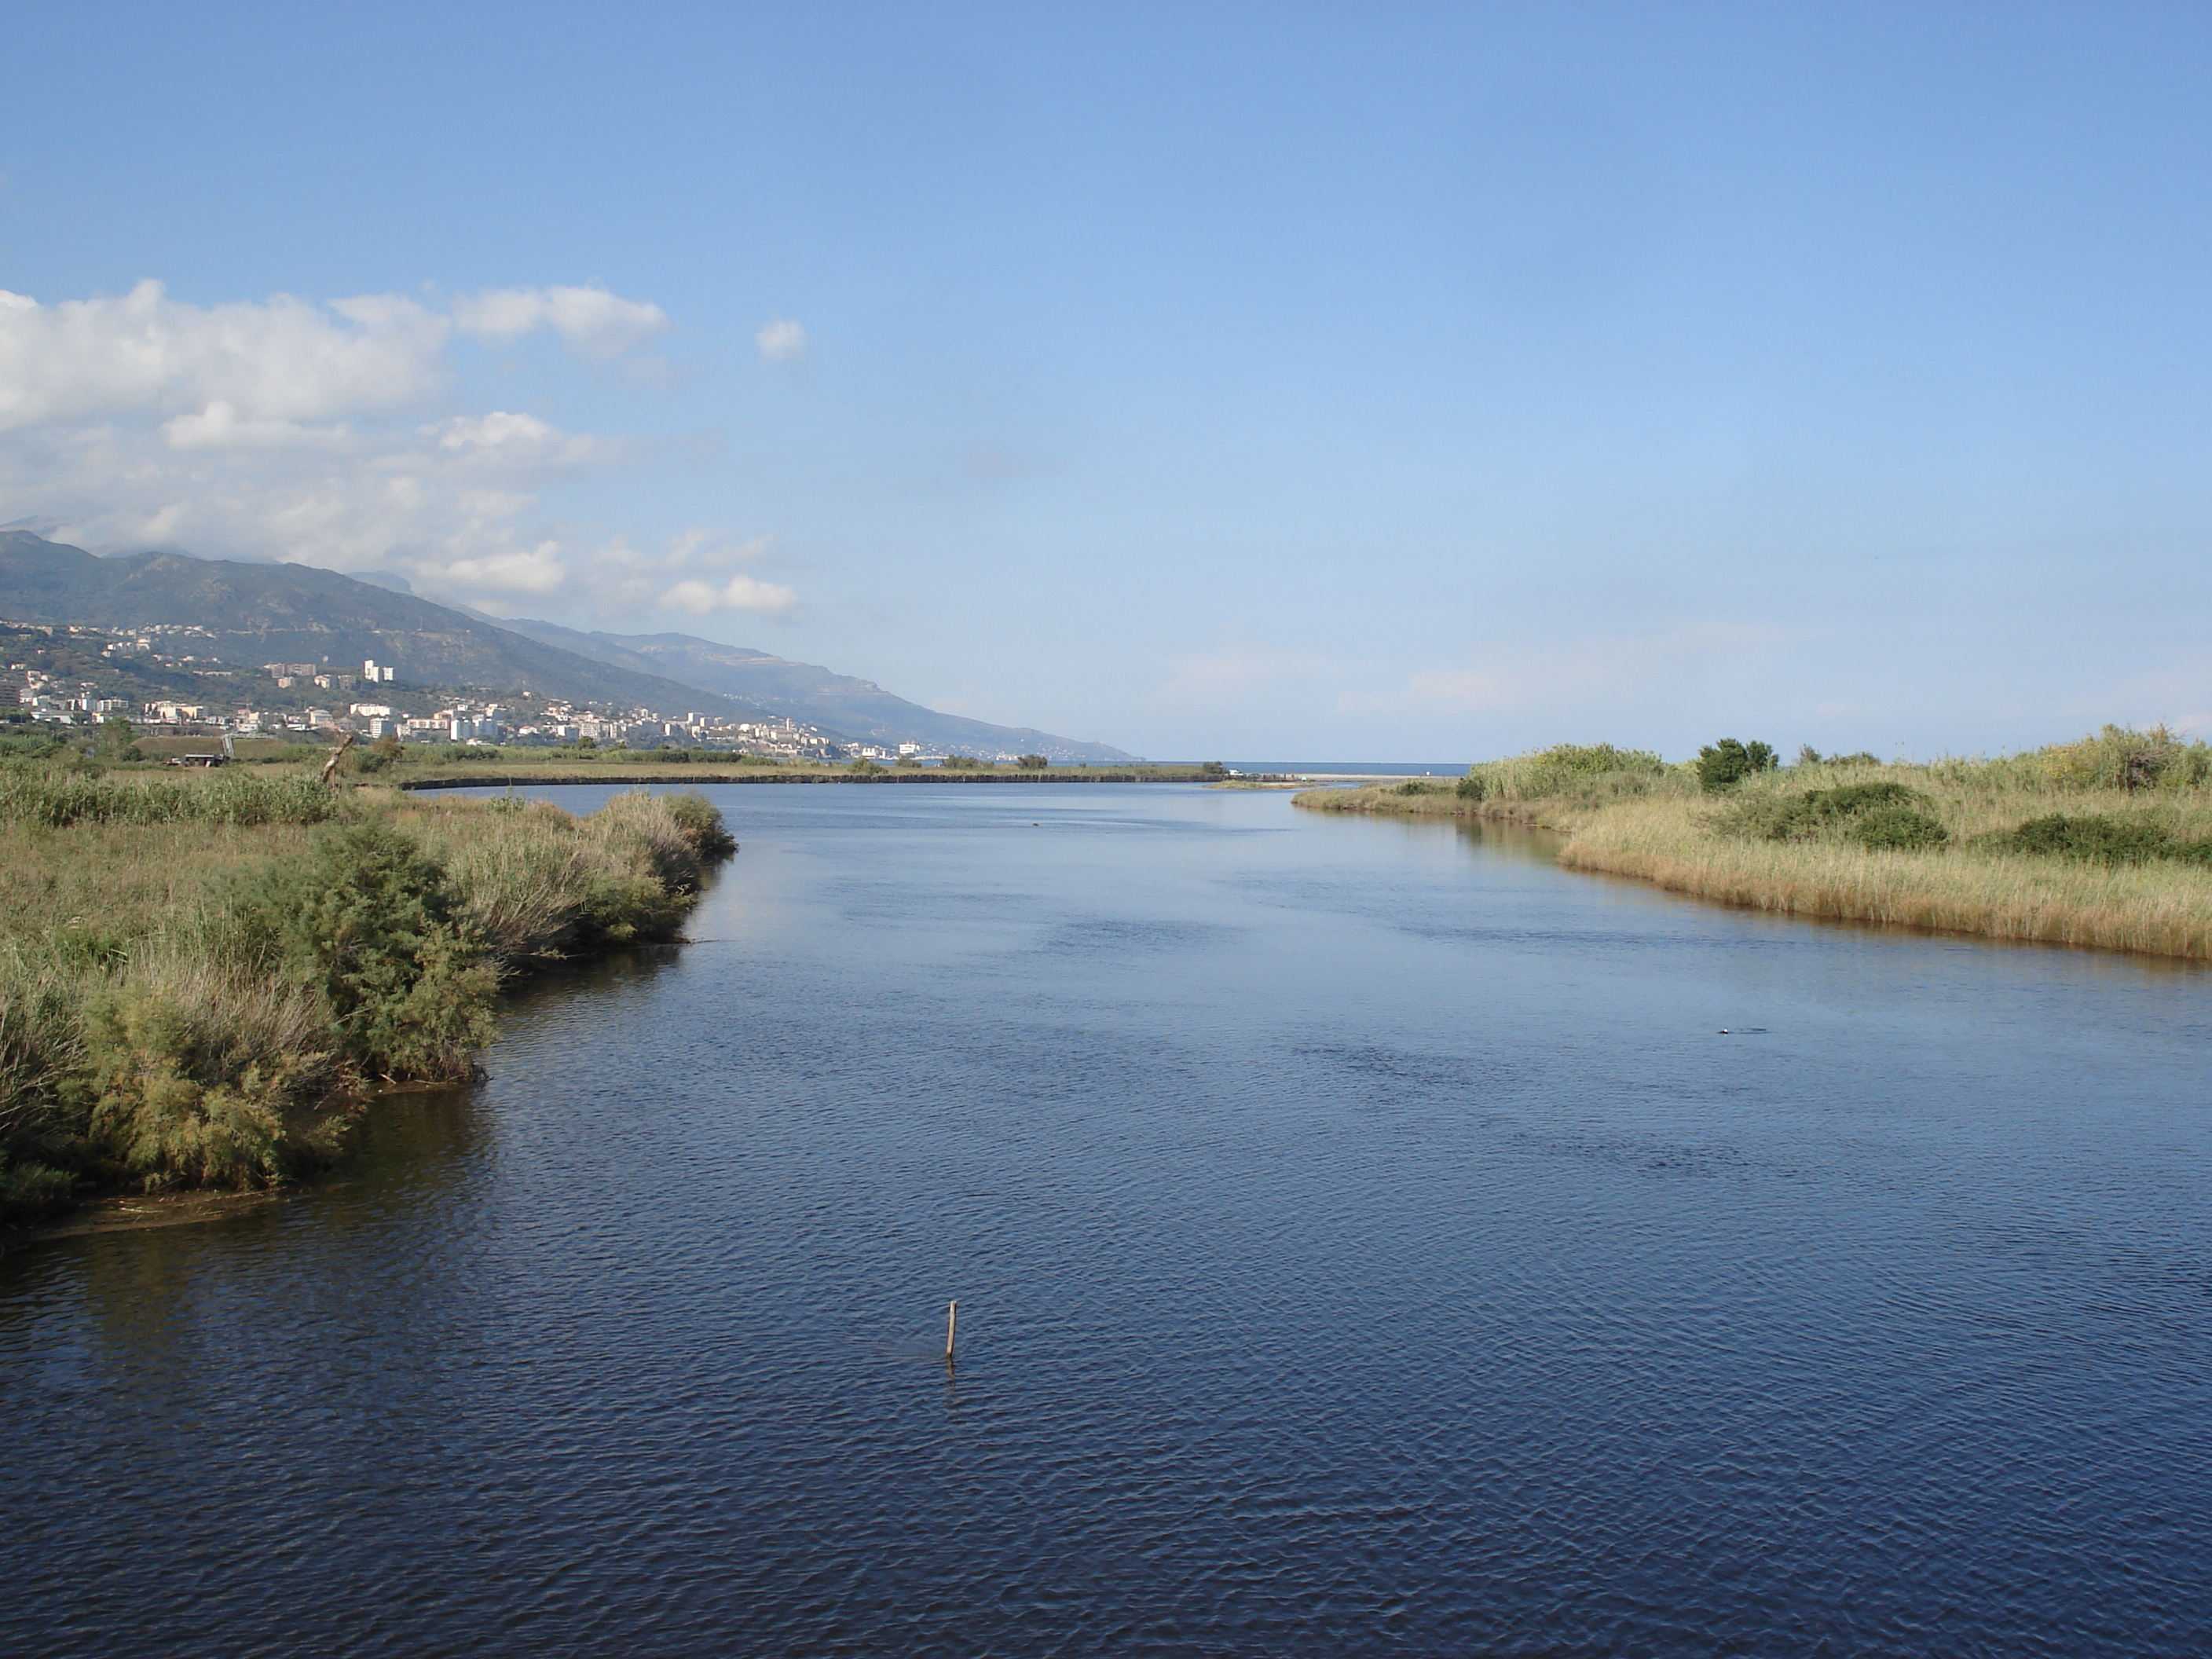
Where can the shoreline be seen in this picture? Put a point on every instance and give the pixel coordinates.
(335, 949)
(710, 774)
(1670, 842)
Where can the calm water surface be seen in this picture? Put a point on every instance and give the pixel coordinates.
(1364, 1242)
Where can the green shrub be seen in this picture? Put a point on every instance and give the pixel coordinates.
(1899, 829)
(1850, 797)
(117, 741)
(1473, 787)
(370, 921)
(162, 1117)
(32, 1192)
(1040, 763)
(2094, 838)
(386, 752)
(701, 824)
(40, 1048)
(185, 1048)
(1723, 764)
(1883, 816)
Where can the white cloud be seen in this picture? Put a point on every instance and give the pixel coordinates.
(282, 359)
(783, 341)
(323, 433)
(590, 321)
(539, 570)
(740, 592)
(219, 426)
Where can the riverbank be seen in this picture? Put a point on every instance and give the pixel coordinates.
(474, 768)
(204, 977)
(478, 774)
(1939, 846)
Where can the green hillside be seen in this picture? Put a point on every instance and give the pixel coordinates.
(260, 613)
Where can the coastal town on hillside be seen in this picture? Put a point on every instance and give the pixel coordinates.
(75, 675)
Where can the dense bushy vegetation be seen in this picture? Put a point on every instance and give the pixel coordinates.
(57, 797)
(2105, 842)
(1731, 761)
(1576, 771)
(189, 966)
(1881, 815)
(2120, 758)
(2098, 838)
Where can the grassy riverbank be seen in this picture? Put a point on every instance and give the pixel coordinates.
(2106, 842)
(199, 974)
(121, 750)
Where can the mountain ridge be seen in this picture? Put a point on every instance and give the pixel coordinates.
(860, 707)
(300, 613)
(260, 613)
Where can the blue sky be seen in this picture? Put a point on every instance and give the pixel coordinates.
(1292, 380)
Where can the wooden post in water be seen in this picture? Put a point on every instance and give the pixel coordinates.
(952, 1329)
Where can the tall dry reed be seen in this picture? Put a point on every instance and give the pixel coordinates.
(186, 965)
(1653, 824)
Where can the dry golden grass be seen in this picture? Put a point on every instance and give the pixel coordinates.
(1673, 837)
(2163, 910)
(170, 1014)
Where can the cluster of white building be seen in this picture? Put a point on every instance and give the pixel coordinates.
(465, 721)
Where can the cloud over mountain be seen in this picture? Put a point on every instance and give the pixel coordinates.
(324, 433)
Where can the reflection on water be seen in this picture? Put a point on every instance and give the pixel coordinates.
(1364, 1242)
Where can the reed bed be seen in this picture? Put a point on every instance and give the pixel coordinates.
(57, 798)
(2160, 909)
(1756, 844)
(189, 968)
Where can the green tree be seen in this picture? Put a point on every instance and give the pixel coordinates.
(384, 751)
(117, 740)
(1033, 762)
(1723, 765)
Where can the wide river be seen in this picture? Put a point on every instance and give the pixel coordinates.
(1366, 1242)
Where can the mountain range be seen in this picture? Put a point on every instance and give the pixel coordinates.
(258, 613)
(858, 708)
